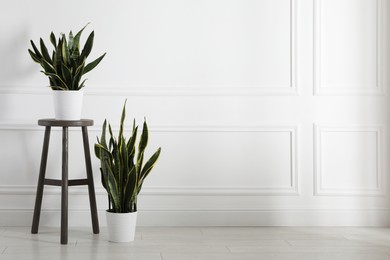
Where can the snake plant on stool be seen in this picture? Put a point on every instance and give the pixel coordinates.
(123, 172)
(65, 68)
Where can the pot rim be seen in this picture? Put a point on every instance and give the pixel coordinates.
(120, 212)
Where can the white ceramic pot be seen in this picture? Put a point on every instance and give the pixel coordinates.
(68, 104)
(121, 226)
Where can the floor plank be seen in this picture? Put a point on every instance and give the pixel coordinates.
(201, 243)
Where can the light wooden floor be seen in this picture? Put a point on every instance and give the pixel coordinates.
(208, 243)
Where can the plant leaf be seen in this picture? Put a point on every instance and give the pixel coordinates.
(65, 50)
(34, 56)
(121, 173)
(103, 138)
(148, 168)
(113, 187)
(53, 39)
(76, 40)
(39, 55)
(77, 76)
(141, 146)
(66, 75)
(124, 169)
(58, 56)
(144, 138)
(44, 51)
(88, 45)
(54, 75)
(82, 84)
(48, 67)
(121, 123)
(131, 144)
(70, 44)
(150, 164)
(129, 189)
(93, 64)
(103, 180)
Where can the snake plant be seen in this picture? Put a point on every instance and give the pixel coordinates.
(122, 168)
(67, 64)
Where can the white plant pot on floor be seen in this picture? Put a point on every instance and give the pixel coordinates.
(68, 104)
(121, 226)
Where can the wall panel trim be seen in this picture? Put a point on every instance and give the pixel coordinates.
(213, 217)
(319, 189)
(191, 90)
(292, 189)
(377, 87)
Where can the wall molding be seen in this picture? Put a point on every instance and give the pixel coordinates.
(291, 190)
(156, 191)
(319, 189)
(212, 217)
(190, 90)
(319, 88)
(28, 125)
(162, 90)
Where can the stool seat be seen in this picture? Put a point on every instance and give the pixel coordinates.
(65, 182)
(62, 123)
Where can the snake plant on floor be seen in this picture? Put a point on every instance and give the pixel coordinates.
(67, 64)
(123, 169)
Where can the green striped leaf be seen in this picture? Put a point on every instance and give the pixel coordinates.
(44, 51)
(39, 55)
(88, 46)
(93, 64)
(76, 40)
(58, 56)
(122, 173)
(48, 67)
(53, 39)
(68, 63)
(34, 56)
(70, 43)
(141, 146)
(148, 168)
(62, 84)
(66, 75)
(65, 50)
(150, 164)
(129, 189)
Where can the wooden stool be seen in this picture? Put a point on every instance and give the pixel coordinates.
(64, 182)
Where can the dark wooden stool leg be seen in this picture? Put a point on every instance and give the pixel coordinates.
(64, 187)
(91, 188)
(41, 180)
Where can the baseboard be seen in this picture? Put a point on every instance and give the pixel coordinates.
(210, 217)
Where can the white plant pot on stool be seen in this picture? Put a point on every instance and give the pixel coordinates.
(68, 104)
(121, 226)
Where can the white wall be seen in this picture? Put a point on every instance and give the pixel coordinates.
(269, 112)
